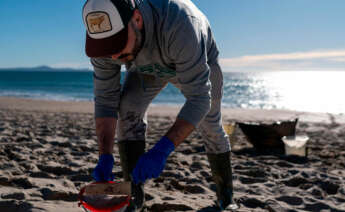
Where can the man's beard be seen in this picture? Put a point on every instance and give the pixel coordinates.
(137, 45)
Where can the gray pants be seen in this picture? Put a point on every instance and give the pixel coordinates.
(139, 90)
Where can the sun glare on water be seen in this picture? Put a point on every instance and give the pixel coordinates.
(316, 91)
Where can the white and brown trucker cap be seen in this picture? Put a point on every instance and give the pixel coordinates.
(106, 24)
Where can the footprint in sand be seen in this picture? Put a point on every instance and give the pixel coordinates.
(319, 206)
(329, 187)
(49, 194)
(251, 202)
(250, 180)
(15, 205)
(22, 182)
(295, 181)
(295, 201)
(15, 195)
(57, 170)
(170, 207)
(186, 187)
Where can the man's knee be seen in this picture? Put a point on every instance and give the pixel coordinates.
(131, 125)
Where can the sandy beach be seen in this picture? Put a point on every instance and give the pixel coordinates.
(48, 150)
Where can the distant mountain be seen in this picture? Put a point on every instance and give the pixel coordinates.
(42, 68)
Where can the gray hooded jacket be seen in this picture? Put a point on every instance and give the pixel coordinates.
(178, 48)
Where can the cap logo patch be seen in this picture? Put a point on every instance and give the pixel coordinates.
(98, 22)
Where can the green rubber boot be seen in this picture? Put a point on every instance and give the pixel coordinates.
(222, 176)
(130, 152)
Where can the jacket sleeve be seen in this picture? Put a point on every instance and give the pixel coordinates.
(107, 87)
(187, 49)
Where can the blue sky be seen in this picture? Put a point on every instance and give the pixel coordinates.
(251, 34)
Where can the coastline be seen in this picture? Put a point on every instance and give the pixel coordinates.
(233, 114)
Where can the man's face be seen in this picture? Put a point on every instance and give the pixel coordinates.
(133, 46)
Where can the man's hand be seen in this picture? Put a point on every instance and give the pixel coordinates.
(103, 170)
(151, 164)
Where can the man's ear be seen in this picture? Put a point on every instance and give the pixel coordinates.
(138, 19)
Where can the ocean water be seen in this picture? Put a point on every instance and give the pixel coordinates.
(313, 91)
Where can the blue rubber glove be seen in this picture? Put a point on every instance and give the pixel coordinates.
(151, 164)
(103, 170)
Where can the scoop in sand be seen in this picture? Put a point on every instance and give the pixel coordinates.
(105, 196)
